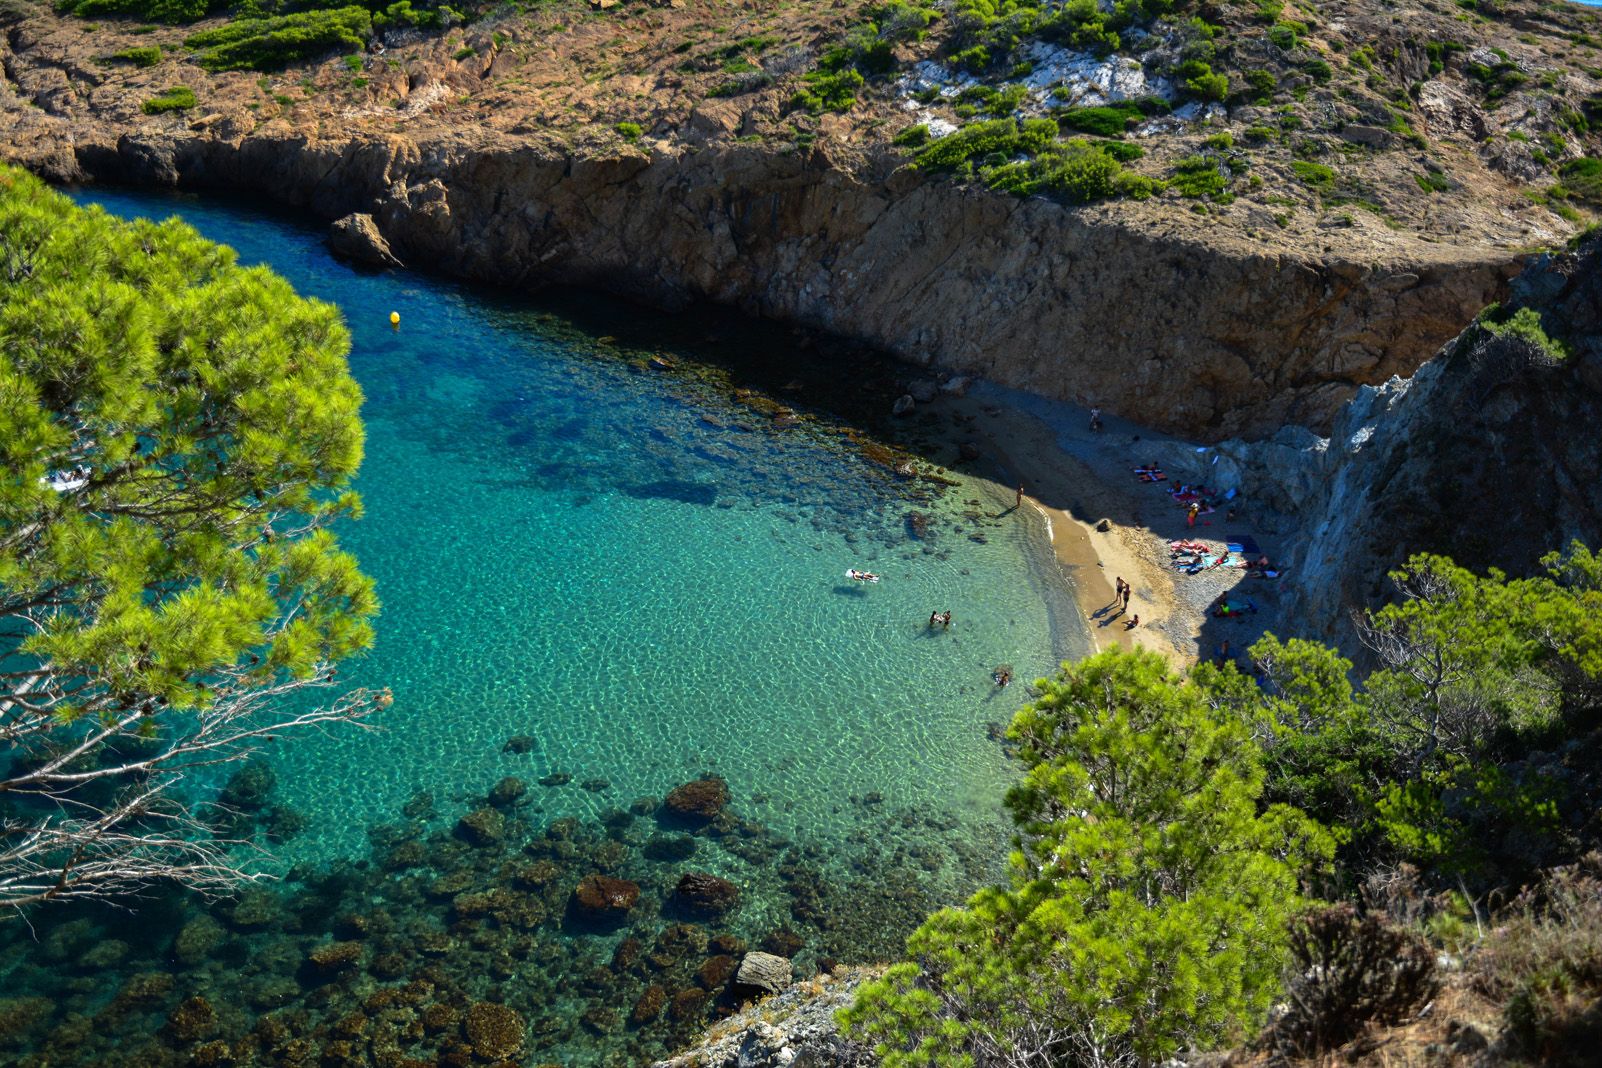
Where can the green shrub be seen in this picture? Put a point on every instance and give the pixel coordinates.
(1027, 159)
(1496, 80)
(1317, 175)
(1199, 176)
(828, 91)
(1524, 323)
(629, 131)
(1261, 84)
(975, 60)
(464, 52)
(1583, 179)
(1109, 121)
(1318, 70)
(1220, 141)
(913, 136)
(168, 11)
(1432, 182)
(272, 43)
(178, 98)
(1440, 52)
(353, 63)
(142, 56)
(980, 139)
(401, 13)
(1198, 80)
(1122, 151)
(1284, 35)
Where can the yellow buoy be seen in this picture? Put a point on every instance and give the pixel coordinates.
(394, 318)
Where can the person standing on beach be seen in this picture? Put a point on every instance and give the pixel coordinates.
(1019, 502)
(1128, 589)
(1190, 516)
(1118, 590)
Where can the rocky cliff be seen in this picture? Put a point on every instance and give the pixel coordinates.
(493, 151)
(1489, 454)
(1201, 337)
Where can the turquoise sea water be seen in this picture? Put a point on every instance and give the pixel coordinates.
(601, 558)
(640, 570)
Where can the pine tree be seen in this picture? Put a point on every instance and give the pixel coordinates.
(176, 432)
(1149, 899)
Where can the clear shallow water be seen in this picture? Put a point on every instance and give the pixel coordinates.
(601, 558)
(642, 572)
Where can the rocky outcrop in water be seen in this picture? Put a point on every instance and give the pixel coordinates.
(1207, 337)
(1489, 454)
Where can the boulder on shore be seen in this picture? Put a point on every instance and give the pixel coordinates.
(763, 971)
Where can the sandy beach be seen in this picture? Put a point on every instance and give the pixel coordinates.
(1106, 524)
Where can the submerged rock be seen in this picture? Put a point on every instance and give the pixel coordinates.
(255, 908)
(649, 1006)
(705, 894)
(670, 848)
(604, 895)
(495, 1031)
(687, 1003)
(714, 974)
(335, 956)
(482, 827)
(700, 801)
(192, 1020)
(519, 744)
(507, 792)
(198, 938)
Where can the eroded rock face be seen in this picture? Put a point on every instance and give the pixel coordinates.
(1151, 323)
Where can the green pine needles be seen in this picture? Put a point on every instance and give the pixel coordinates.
(176, 434)
(1150, 894)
